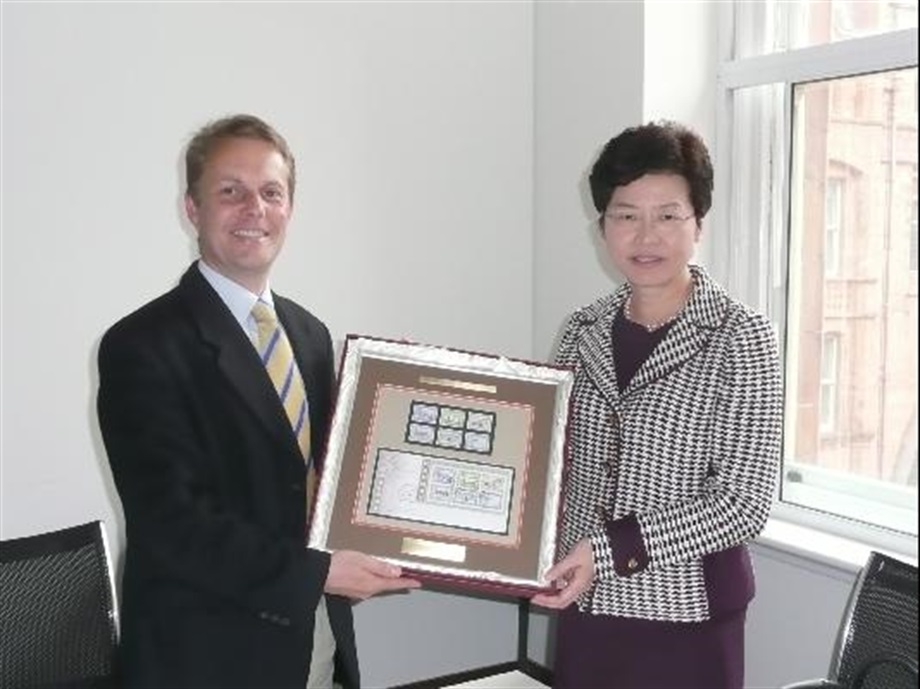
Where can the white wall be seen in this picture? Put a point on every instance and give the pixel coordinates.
(442, 149)
(589, 79)
(680, 60)
(793, 621)
(413, 129)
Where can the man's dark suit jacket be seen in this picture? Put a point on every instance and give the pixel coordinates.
(219, 589)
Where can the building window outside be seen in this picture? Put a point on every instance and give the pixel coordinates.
(830, 358)
(821, 124)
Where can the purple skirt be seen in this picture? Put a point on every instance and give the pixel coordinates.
(606, 652)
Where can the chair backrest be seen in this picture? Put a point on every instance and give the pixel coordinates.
(877, 645)
(57, 609)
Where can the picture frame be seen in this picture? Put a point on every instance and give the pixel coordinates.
(445, 462)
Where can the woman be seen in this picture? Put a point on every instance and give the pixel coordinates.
(675, 439)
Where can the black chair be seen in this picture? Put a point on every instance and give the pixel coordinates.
(876, 647)
(58, 610)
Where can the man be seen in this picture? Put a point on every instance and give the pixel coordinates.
(212, 449)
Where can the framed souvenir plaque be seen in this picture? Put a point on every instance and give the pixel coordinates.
(447, 463)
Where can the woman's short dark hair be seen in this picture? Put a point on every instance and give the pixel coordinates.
(658, 147)
(206, 139)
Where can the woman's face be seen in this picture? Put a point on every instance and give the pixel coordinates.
(651, 231)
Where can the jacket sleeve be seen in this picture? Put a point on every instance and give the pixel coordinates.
(744, 463)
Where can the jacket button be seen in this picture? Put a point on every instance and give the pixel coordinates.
(297, 487)
(632, 563)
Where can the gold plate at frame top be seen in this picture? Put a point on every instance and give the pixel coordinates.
(459, 384)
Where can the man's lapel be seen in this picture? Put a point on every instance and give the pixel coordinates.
(307, 345)
(304, 349)
(236, 358)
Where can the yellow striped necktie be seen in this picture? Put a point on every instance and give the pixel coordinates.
(278, 358)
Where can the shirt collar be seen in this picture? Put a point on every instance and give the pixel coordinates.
(236, 297)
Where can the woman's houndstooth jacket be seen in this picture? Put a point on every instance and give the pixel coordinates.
(671, 477)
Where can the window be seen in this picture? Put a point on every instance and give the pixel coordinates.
(768, 27)
(830, 349)
(817, 133)
(833, 212)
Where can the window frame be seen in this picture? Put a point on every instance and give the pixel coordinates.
(752, 263)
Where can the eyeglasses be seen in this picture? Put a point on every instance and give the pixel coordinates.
(628, 219)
